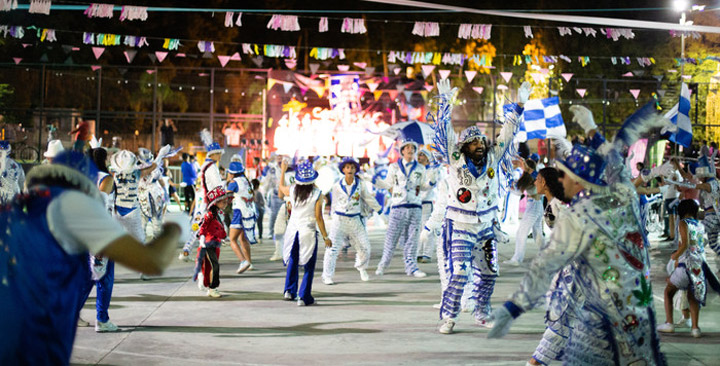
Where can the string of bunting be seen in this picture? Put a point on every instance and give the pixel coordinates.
(327, 53)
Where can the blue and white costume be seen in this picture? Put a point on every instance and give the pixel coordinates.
(531, 220)
(124, 165)
(270, 183)
(405, 180)
(349, 202)
(12, 176)
(243, 203)
(42, 283)
(433, 174)
(151, 195)
(301, 238)
(600, 234)
(471, 214)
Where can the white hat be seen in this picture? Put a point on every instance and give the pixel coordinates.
(123, 161)
(54, 147)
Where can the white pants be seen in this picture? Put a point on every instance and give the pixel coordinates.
(532, 219)
(133, 223)
(427, 247)
(351, 229)
(403, 230)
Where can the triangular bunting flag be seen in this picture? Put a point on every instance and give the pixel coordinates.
(314, 67)
(429, 87)
(687, 77)
(287, 87)
(26, 45)
(628, 74)
(397, 70)
(581, 92)
(360, 65)
(271, 83)
(95, 67)
(67, 48)
(661, 93)
(427, 70)
(69, 61)
(97, 51)
(567, 76)
(408, 95)
(223, 60)
(343, 68)
(377, 94)
(130, 55)
(400, 87)
(635, 93)
(393, 94)
(161, 55)
(180, 55)
(76, 48)
(537, 77)
(149, 71)
(258, 61)
(478, 89)
(44, 58)
(370, 70)
(152, 57)
(470, 75)
(17, 60)
(372, 86)
(639, 72)
(502, 87)
(235, 57)
(319, 90)
(659, 77)
(444, 74)
(506, 76)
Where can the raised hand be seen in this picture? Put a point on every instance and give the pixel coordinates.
(444, 87)
(524, 92)
(583, 117)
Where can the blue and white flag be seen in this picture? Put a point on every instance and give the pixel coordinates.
(680, 116)
(541, 120)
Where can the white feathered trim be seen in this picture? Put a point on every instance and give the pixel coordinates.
(563, 147)
(206, 137)
(67, 174)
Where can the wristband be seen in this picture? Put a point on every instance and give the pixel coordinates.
(513, 309)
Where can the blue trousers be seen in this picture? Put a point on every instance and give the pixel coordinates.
(291, 277)
(104, 292)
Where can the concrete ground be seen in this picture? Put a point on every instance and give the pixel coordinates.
(389, 320)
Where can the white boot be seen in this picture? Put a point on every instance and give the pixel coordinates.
(278, 252)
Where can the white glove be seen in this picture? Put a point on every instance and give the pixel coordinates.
(524, 92)
(664, 170)
(444, 87)
(583, 117)
(501, 237)
(502, 323)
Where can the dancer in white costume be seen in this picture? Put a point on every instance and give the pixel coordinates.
(301, 236)
(242, 226)
(151, 193)
(406, 180)
(12, 176)
(432, 171)
(533, 215)
(471, 223)
(126, 170)
(350, 198)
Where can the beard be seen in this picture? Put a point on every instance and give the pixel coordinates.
(478, 157)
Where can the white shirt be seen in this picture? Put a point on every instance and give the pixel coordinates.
(405, 186)
(348, 199)
(81, 223)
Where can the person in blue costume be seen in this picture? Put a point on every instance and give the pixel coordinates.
(471, 228)
(45, 240)
(599, 233)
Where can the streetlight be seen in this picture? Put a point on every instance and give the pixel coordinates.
(681, 6)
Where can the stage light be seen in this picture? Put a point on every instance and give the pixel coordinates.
(680, 5)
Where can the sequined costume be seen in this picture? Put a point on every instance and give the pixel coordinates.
(348, 202)
(12, 176)
(153, 201)
(614, 317)
(472, 205)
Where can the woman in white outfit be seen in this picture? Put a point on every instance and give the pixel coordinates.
(301, 235)
(532, 218)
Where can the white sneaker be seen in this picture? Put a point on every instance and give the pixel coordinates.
(683, 323)
(379, 272)
(250, 267)
(484, 323)
(300, 302)
(419, 274)
(287, 296)
(106, 327)
(200, 282)
(364, 275)
(184, 256)
(82, 323)
(275, 257)
(328, 281)
(696, 333)
(213, 292)
(244, 266)
(437, 306)
(447, 327)
(666, 328)
(144, 277)
(512, 262)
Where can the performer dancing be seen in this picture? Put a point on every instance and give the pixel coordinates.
(406, 179)
(349, 197)
(12, 176)
(600, 232)
(471, 214)
(151, 193)
(244, 216)
(301, 235)
(432, 171)
(532, 217)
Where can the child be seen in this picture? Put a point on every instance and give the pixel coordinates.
(302, 231)
(259, 206)
(689, 269)
(213, 232)
(242, 225)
